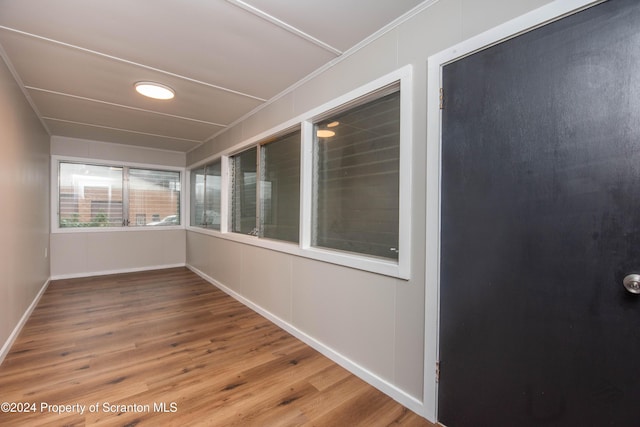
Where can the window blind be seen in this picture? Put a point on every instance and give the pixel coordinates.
(154, 194)
(356, 178)
(89, 195)
(280, 188)
(243, 192)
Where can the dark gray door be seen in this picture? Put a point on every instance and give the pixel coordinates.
(540, 224)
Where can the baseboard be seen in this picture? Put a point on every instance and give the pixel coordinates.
(23, 320)
(384, 386)
(118, 271)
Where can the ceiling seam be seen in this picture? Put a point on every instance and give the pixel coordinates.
(138, 147)
(123, 106)
(126, 61)
(16, 77)
(122, 130)
(290, 28)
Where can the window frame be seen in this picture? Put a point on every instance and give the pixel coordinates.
(401, 268)
(318, 142)
(262, 147)
(189, 178)
(55, 194)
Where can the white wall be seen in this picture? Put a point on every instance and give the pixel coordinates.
(24, 207)
(374, 322)
(105, 151)
(75, 254)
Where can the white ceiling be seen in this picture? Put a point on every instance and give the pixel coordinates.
(78, 60)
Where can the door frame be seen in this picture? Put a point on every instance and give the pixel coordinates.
(548, 13)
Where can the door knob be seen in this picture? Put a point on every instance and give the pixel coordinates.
(632, 283)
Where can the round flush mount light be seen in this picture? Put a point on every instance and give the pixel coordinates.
(154, 90)
(325, 133)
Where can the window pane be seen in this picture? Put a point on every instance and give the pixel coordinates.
(356, 179)
(154, 197)
(243, 192)
(90, 196)
(212, 195)
(197, 197)
(280, 188)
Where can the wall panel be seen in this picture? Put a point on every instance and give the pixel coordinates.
(24, 198)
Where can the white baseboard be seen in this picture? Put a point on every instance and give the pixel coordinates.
(118, 271)
(389, 389)
(23, 320)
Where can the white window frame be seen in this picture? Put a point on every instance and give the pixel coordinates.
(224, 182)
(55, 194)
(399, 269)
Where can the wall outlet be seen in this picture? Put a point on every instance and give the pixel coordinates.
(46, 252)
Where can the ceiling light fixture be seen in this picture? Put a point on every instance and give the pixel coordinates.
(325, 133)
(333, 124)
(154, 90)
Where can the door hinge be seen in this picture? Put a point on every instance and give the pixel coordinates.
(442, 98)
(438, 371)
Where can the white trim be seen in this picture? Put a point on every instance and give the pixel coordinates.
(225, 195)
(116, 229)
(381, 384)
(513, 28)
(23, 320)
(25, 92)
(405, 175)
(186, 208)
(399, 269)
(306, 184)
(524, 23)
(57, 159)
(290, 28)
(117, 271)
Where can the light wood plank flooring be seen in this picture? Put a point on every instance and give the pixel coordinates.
(181, 350)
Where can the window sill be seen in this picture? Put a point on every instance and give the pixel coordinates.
(58, 230)
(346, 259)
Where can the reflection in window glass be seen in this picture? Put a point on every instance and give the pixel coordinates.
(280, 188)
(212, 199)
(206, 196)
(89, 196)
(197, 197)
(154, 194)
(243, 192)
(356, 178)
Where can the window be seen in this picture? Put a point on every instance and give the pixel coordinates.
(155, 194)
(280, 188)
(197, 197)
(356, 177)
(264, 184)
(243, 169)
(268, 207)
(90, 196)
(335, 182)
(116, 196)
(206, 196)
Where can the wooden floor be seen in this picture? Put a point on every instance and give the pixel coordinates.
(167, 348)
